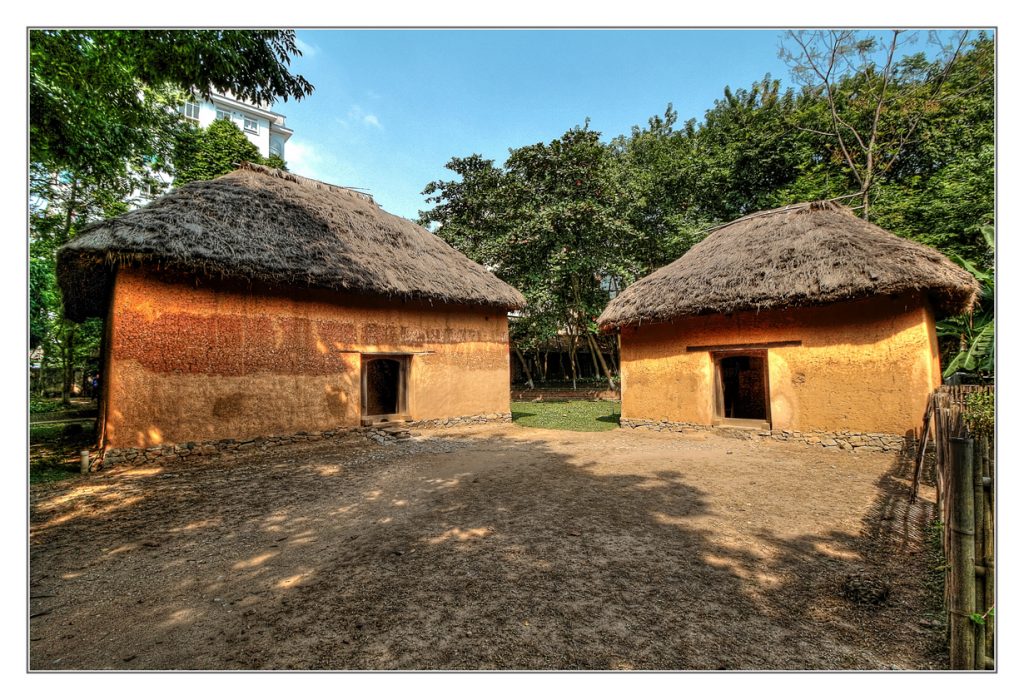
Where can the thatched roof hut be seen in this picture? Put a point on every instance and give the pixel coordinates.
(258, 224)
(802, 255)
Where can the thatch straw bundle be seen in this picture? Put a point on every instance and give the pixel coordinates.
(802, 255)
(258, 224)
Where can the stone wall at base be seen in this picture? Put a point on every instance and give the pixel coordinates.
(169, 453)
(839, 440)
(462, 420)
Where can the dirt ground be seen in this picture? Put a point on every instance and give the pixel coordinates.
(485, 548)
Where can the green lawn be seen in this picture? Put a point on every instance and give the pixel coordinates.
(581, 416)
(36, 405)
(54, 449)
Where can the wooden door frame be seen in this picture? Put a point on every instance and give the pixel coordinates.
(402, 400)
(719, 394)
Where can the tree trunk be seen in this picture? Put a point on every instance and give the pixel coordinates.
(67, 328)
(572, 361)
(594, 347)
(526, 368)
(593, 358)
(67, 358)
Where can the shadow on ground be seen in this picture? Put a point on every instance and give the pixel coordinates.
(473, 551)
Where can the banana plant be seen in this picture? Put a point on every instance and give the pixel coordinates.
(975, 330)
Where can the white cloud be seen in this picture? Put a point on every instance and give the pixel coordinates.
(358, 115)
(313, 160)
(308, 50)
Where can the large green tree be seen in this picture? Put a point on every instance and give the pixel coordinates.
(873, 98)
(98, 99)
(547, 222)
(907, 138)
(929, 127)
(103, 125)
(681, 182)
(203, 154)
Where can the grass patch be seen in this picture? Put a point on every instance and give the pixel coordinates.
(57, 434)
(54, 450)
(936, 580)
(36, 405)
(52, 468)
(580, 416)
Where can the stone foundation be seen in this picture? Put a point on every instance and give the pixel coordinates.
(844, 440)
(661, 425)
(168, 453)
(839, 440)
(462, 420)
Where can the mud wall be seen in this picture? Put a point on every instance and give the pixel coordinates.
(860, 366)
(191, 361)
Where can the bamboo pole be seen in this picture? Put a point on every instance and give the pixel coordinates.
(989, 551)
(922, 448)
(981, 574)
(961, 492)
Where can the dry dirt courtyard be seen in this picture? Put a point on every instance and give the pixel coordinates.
(487, 547)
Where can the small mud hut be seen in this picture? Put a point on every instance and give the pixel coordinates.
(263, 303)
(804, 320)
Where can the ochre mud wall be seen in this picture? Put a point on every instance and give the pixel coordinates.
(189, 363)
(867, 365)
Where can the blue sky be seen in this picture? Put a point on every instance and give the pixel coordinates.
(391, 107)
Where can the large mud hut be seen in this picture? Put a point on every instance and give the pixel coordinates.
(804, 320)
(263, 303)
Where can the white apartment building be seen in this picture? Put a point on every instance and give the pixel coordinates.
(264, 128)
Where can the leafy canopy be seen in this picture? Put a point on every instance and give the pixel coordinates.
(203, 154)
(547, 222)
(100, 100)
(103, 127)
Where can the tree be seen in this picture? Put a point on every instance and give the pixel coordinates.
(653, 168)
(103, 126)
(100, 99)
(911, 139)
(874, 101)
(942, 189)
(549, 223)
(276, 161)
(974, 333)
(203, 154)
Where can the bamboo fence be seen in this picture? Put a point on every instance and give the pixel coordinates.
(965, 494)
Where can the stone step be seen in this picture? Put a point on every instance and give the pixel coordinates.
(383, 423)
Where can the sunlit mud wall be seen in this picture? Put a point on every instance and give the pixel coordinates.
(867, 366)
(189, 363)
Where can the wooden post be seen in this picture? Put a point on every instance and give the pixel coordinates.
(981, 574)
(961, 493)
(989, 549)
(921, 449)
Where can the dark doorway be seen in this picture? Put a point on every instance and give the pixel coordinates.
(382, 377)
(743, 386)
(384, 382)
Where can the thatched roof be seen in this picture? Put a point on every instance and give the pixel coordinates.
(258, 224)
(802, 255)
